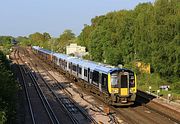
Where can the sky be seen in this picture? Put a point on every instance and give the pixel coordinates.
(24, 17)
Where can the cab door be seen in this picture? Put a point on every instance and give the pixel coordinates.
(123, 83)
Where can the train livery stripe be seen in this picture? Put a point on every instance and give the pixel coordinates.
(109, 82)
(135, 88)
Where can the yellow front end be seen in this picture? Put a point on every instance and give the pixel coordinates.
(122, 96)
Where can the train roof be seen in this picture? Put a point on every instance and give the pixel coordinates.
(36, 47)
(103, 68)
(46, 51)
(42, 50)
(75, 60)
(59, 55)
(92, 65)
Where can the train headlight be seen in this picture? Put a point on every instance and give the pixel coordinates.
(114, 91)
(132, 90)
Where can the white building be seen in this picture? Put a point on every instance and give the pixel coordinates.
(76, 50)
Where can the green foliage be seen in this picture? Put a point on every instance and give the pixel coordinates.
(46, 36)
(133, 67)
(2, 117)
(65, 39)
(87, 57)
(24, 41)
(44, 40)
(176, 87)
(84, 38)
(149, 33)
(5, 40)
(5, 43)
(112, 56)
(8, 89)
(37, 37)
(153, 80)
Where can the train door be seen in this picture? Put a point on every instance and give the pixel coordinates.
(77, 70)
(100, 81)
(123, 83)
(88, 75)
(67, 66)
(71, 67)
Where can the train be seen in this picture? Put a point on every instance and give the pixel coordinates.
(116, 86)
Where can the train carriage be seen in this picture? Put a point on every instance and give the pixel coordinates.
(116, 85)
(60, 60)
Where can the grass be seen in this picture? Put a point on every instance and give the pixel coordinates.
(154, 80)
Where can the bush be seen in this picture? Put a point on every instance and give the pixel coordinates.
(176, 87)
(8, 90)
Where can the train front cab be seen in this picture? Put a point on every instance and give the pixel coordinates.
(122, 87)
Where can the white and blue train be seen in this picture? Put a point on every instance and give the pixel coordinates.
(117, 86)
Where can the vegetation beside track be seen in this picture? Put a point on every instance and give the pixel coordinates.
(8, 90)
(8, 85)
(148, 34)
(155, 81)
(6, 44)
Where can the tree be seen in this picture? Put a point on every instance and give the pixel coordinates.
(67, 35)
(23, 41)
(84, 37)
(65, 39)
(46, 36)
(37, 38)
(6, 43)
(149, 33)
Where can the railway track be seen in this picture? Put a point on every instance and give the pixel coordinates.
(140, 114)
(68, 103)
(122, 112)
(74, 111)
(156, 107)
(26, 90)
(135, 114)
(34, 95)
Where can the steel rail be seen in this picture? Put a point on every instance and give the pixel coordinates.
(67, 93)
(75, 121)
(26, 91)
(45, 102)
(51, 112)
(148, 97)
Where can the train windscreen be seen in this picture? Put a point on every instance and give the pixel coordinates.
(124, 81)
(119, 80)
(114, 80)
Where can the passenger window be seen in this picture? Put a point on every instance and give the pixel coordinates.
(91, 75)
(114, 81)
(104, 79)
(69, 66)
(96, 76)
(74, 68)
(85, 72)
(80, 70)
(104, 82)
